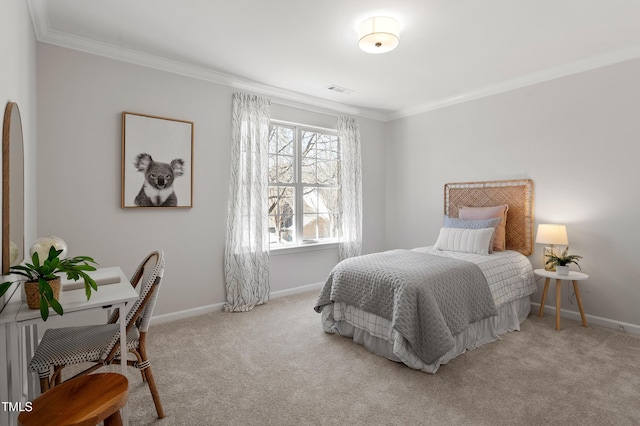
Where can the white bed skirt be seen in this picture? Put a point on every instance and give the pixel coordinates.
(375, 333)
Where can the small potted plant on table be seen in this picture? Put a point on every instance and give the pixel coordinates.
(562, 261)
(42, 285)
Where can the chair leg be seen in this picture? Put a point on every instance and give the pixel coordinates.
(154, 392)
(114, 420)
(57, 375)
(146, 367)
(44, 384)
(139, 358)
(48, 382)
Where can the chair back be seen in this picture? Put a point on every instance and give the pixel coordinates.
(146, 279)
(149, 276)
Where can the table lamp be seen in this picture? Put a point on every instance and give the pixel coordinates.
(551, 235)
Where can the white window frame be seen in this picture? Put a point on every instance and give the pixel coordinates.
(298, 185)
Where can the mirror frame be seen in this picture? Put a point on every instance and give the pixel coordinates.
(11, 144)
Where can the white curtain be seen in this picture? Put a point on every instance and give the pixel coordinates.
(351, 187)
(246, 262)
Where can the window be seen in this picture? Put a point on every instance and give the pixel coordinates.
(304, 182)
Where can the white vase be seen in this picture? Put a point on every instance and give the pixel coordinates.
(42, 245)
(562, 270)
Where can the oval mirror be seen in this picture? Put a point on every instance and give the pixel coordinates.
(12, 188)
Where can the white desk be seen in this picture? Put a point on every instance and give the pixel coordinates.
(21, 334)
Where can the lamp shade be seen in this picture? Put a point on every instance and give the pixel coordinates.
(552, 234)
(379, 34)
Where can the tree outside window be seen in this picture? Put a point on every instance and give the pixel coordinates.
(304, 181)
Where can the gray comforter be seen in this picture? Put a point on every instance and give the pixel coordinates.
(428, 299)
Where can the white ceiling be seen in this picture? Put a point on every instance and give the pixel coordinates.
(450, 50)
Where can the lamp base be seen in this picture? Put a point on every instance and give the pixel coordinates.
(548, 251)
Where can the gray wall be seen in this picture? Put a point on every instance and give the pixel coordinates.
(576, 137)
(80, 100)
(18, 84)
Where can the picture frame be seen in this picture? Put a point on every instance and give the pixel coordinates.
(157, 162)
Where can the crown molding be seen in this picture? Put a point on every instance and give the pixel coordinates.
(45, 34)
(524, 81)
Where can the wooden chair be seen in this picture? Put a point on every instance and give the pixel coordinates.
(83, 401)
(100, 344)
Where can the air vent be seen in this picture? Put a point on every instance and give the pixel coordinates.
(340, 90)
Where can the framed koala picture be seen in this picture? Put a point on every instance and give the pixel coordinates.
(157, 159)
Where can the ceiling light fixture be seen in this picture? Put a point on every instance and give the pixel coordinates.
(379, 34)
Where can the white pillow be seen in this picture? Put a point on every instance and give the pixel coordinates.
(474, 241)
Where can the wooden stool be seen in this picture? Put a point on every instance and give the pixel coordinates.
(83, 401)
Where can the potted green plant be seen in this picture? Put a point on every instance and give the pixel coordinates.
(42, 285)
(562, 261)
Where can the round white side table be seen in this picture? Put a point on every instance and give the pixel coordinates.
(574, 277)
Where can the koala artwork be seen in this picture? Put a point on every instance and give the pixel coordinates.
(157, 189)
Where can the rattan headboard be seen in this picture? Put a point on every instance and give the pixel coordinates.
(517, 194)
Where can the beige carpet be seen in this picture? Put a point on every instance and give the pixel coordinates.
(275, 366)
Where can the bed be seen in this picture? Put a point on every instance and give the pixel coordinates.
(428, 305)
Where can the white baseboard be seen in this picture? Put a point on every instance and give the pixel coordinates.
(549, 310)
(296, 290)
(591, 319)
(188, 313)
